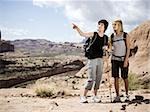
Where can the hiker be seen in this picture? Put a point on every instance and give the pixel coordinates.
(120, 45)
(95, 61)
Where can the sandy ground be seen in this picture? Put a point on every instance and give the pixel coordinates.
(24, 100)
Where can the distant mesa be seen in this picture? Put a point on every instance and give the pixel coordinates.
(5, 46)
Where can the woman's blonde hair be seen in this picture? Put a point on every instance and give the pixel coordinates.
(119, 22)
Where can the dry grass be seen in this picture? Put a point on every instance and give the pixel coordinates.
(44, 90)
(49, 90)
(133, 81)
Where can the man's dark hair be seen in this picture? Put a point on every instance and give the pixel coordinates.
(105, 24)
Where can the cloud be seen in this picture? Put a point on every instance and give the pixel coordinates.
(13, 33)
(10, 33)
(87, 12)
(47, 3)
(31, 20)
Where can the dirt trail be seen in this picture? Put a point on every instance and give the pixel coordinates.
(24, 100)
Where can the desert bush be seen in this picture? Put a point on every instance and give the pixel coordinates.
(49, 90)
(44, 91)
(134, 83)
(145, 85)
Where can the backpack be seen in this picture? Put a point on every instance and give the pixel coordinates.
(87, 46)
(124, 38)
(88, 43)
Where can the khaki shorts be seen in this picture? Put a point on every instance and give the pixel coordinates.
(95, 70)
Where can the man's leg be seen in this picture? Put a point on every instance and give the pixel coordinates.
(124, 75)
(126, 85)
(116, 83)
(126, 89)
(115, 74)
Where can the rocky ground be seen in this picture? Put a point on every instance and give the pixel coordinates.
(24, 98)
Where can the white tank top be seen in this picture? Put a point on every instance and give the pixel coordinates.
(119, 48)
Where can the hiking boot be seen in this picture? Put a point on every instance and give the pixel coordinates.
(83, 99)
(127, 98)
(96, 99)
(116, 99)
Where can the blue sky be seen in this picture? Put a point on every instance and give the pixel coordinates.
(51, 19)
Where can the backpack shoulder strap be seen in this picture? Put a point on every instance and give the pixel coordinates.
(105, 40)
(124, 35)
(93, 39)
(112, 38)
(124, 38)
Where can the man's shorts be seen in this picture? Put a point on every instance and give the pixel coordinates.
(115, 69)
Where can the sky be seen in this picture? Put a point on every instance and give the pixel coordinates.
(52, 19)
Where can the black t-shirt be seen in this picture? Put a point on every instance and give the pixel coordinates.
(97, 46)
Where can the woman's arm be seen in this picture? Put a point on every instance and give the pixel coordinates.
(110, 45)
(83, 34)
(128, 51)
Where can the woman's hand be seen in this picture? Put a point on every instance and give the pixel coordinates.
(125, 63)
(83, 34)
(74, 26)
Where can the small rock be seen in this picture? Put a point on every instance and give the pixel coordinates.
(77, 94)
(55, 103)
(123, 107)
(130, 102)
(139, 101)
(54, 97)
(130, 93)
(103, 82)
(147, 101)
(73, 82)
(66, 80)
(133, 101)
(122, 90)
(21, 95)
(73, 87)
(139, 97)
(136, 104)
(122, 95)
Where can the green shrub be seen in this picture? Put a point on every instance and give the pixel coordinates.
(134, 83)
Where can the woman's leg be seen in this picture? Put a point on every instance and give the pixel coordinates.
(126, 85)
(90, 80)
(99, 71)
